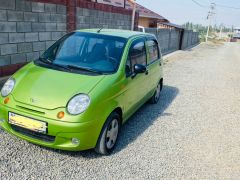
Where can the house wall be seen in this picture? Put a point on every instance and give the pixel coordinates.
(144, 22)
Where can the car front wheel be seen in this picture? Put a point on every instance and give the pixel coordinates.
(109, 134)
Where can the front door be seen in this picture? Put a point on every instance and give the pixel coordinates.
(136, 85)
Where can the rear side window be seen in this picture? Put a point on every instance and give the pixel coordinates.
(137, 55)
(154, 53)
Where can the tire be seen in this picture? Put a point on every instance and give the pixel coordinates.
(109, 134)
(156, 96)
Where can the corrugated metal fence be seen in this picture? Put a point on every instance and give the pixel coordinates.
(174, 39)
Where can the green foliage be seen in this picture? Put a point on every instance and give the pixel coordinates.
(203, 29)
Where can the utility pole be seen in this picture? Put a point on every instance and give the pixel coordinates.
(209, 17)
(134, 4)
(221, 28)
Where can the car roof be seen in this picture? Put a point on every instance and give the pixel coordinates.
(116, 32)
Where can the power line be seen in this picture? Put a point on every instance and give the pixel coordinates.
(229, 7)
(196, 2)
(212, 13)
(219, 5)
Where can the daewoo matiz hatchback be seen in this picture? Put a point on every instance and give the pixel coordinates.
(82, 89)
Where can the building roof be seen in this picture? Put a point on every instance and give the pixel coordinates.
(118, 3)
(143, 12)
(115, 32)
(147, 13)
(172, 25)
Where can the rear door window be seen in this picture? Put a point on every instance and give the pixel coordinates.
(154, 53)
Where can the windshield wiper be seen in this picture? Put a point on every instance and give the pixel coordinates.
(50, 62)
(68, 67)
(46, 60)
(84, 69)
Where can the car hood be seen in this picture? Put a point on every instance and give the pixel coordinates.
(50, 89)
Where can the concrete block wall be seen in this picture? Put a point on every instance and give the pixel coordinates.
(189, 42)
(163, 36)
(185, 40)
(195, 39)
(190, 38)
(169, 39)
(28, 28)
(164, 40)
(91, 18)
(174, 40)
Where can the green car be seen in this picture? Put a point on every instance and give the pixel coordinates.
(82, 89)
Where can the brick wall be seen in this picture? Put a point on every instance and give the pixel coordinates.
(28, 28)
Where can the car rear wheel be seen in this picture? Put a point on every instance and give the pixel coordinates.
(155, 98)
(109, 134)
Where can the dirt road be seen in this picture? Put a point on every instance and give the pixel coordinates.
(192, 133)
(204, 126)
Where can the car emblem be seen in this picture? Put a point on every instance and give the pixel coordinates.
(33, 100)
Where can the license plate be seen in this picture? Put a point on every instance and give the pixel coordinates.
(27, 123)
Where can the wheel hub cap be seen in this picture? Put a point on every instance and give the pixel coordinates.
(112, 133)
(157, 92)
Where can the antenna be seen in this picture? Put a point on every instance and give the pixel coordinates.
(99, 30)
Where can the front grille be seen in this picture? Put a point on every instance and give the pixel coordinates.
(32, 134)
(32, 110)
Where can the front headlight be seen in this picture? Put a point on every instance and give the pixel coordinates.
(78, 104)
(8, 87)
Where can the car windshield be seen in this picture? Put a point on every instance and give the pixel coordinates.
(86, 51)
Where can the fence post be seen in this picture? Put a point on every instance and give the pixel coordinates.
(189, 39)
(181, 34)
(169, 41)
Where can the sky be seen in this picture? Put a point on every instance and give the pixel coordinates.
(182, 11)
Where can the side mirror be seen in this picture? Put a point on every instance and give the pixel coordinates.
(139, 68)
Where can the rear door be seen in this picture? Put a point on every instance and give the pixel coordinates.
(153, 62)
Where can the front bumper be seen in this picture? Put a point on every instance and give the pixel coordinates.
(59, 134)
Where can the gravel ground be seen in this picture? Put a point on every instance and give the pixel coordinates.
(192, 133)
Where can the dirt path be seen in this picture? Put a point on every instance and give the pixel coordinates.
(192, 133)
